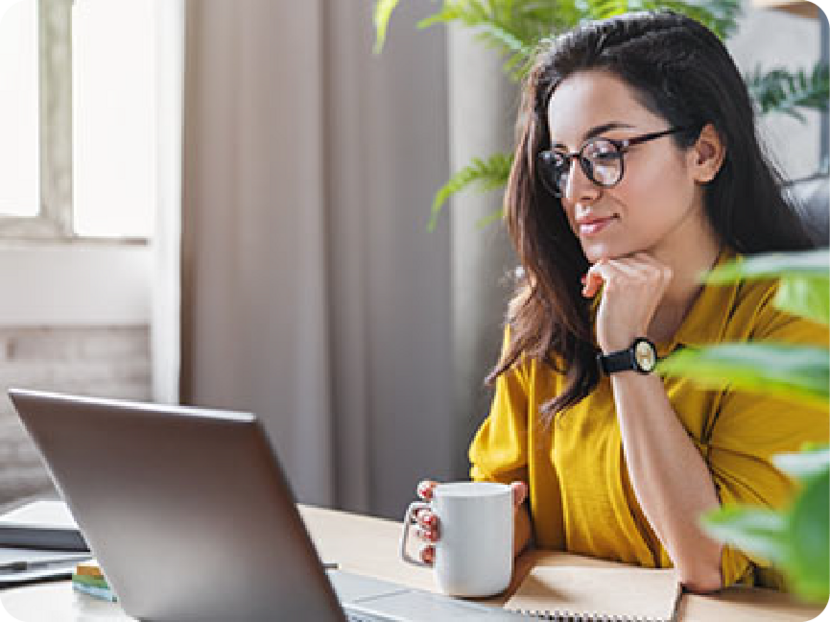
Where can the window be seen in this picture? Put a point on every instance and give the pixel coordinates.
(81, 117)
(19, 151)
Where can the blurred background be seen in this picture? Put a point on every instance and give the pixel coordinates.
(225, 204)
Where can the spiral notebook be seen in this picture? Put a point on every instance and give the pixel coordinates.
(577, 593)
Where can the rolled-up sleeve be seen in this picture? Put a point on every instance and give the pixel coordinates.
(498, 452)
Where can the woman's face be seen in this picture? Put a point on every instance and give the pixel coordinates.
(657, 198)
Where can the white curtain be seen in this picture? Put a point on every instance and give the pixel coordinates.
(312, 293)
(165, 329)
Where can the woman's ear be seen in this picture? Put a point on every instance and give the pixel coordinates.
(706, 155)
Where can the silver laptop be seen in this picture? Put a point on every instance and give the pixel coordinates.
(190, 516)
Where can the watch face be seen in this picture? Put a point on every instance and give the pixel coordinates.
(645, 355)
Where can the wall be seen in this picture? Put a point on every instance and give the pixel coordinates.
(74, 318)
(790, 41)
(106, 361)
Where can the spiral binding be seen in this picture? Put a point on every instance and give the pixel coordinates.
(567, 616)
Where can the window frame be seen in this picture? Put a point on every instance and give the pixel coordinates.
(54, 220)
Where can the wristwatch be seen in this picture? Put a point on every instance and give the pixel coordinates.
(640, 357)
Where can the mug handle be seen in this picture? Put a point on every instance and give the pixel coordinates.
(407, 523)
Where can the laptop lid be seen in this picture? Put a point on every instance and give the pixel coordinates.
(186, 509)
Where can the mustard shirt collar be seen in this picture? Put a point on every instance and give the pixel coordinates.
(707, 319)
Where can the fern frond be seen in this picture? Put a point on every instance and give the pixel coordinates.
(602, 9)
(720, 16)
(490, 218)
(512, 27)
(381, 16)
(486, 175)
(780, 90)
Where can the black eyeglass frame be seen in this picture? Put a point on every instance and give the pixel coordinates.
(621, 146)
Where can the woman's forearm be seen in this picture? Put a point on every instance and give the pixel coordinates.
(670, 478)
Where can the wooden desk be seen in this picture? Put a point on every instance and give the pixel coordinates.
(369, 546)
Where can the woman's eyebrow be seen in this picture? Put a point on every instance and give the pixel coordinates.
(599, 129)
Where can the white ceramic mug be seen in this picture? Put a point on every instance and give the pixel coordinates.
(474, 555)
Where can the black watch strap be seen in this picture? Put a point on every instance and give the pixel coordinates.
(640, 357)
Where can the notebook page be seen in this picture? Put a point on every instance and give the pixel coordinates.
(629, 592)
(48, 514)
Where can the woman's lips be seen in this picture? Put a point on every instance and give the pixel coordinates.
(594, 226)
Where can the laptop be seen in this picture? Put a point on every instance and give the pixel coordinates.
(191, 517)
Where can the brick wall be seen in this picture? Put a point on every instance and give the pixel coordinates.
(100, 361)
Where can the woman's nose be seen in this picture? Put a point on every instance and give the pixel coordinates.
(578, 186)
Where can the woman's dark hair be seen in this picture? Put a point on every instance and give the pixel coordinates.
(682, 72)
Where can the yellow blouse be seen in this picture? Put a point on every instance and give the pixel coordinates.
(581, 499)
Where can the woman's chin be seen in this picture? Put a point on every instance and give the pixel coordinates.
(596, 252)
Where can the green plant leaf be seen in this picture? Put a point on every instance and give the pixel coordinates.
(785, 91)
(807, 554)
(754, 530)
(805, 296)
(489, 174)
(513, 28)
(382, 14)
(805, 279)
(796, 539)
(519, 53)
(489, 219)
(792, 371)
(770, 265)
(720, 16)
(808, 463)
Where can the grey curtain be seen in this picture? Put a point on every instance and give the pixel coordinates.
(312, 293)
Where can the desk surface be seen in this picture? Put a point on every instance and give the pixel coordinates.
(369, 546)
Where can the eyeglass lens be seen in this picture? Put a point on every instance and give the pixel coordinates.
(600, 160)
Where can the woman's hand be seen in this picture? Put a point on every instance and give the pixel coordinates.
(632, 288)
(429, 528)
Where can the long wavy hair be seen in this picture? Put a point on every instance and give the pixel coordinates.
(680, 71)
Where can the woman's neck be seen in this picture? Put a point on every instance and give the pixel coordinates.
(688, 259)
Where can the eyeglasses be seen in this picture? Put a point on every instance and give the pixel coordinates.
(600, 158)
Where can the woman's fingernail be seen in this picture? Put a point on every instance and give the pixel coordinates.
(428, 535)
(428, 555)
(584, 279)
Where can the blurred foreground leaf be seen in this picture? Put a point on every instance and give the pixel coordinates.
(804, 278)
(799, 372)
(760, 531)
(796, 539)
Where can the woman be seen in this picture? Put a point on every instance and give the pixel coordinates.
(637, 168)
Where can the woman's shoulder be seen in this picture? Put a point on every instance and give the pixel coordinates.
(755, 307)
(527, 364)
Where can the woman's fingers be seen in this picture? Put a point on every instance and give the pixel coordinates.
(429, 536)
(425, 488)
(428, 528)
(632, 288)
(641, 268)
(428, 555)
(519, 493)
(593, 280)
